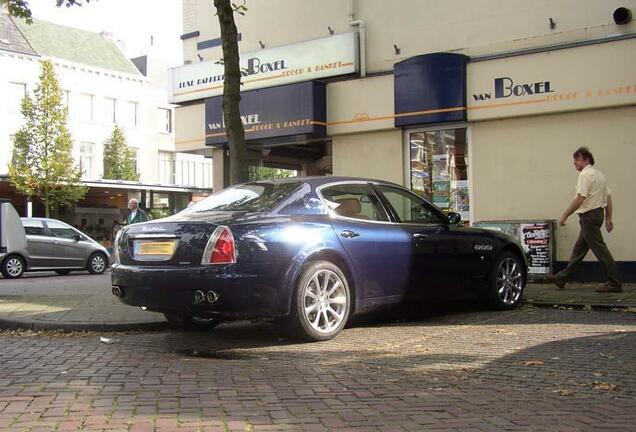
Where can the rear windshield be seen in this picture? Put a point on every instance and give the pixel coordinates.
(251, 197)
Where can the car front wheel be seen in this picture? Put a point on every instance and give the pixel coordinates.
(13, 267)
(507, 281)
(322, 302)
(97, 263)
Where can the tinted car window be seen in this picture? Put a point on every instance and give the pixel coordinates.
(61, 230)
(355, 201)
(409, 207)
(33, 227)
(251, 197)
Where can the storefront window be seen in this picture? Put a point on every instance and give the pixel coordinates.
(439, 168)
(266, 172)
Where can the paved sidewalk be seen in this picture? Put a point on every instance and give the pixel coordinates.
(79, 301)
(580, 295)
(84, 302)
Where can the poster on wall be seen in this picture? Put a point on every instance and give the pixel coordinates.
(460, 202)
(441, 181)
(535, 237)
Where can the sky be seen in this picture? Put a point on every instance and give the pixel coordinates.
(131, 21)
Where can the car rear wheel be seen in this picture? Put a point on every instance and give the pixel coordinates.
(13, 267)
(62, 272)
(97, 263)
(192, 322)
(507, 282)
(322, 302)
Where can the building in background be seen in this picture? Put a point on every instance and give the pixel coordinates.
(101, 88)
(477, 106)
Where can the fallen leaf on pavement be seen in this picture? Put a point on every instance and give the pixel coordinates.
(533, 363)
(563, 392)
(607, 356)
(602, 385)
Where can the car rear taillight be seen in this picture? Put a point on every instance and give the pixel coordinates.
(220, 248)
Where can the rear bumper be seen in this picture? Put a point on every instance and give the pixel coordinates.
(170, 289)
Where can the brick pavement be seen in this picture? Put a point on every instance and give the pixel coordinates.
(464, 370)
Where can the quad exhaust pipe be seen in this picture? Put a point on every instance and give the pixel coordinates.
(210, 296)
(118, 291)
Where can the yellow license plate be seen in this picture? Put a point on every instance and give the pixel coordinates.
(154, 248)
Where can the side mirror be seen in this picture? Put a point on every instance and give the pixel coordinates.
(454, 218)
(77, 237)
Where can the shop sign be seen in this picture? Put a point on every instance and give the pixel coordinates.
(593, 76)
(272, 113)
(305, 61)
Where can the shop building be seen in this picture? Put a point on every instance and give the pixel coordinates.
(102, 87)
(476, 106)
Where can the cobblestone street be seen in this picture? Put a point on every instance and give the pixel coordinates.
(529, 369)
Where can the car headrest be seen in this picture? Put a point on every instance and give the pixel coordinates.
(348, 207)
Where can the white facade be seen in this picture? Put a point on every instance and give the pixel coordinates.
(97, 100)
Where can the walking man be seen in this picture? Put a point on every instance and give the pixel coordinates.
(593, 203)
(136, 214)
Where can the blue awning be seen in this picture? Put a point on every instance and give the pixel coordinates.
(430, 88)
(293, 113)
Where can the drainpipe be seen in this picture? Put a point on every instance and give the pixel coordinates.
(362, 33)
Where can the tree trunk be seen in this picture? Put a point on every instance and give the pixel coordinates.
(232, 93)
(46, 208)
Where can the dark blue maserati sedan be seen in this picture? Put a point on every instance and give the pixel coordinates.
(310, 251)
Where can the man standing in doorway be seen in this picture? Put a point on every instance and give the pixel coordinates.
(136, 214)
(593, 203)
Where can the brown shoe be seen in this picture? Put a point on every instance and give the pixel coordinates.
(609, 288)
(556, 280)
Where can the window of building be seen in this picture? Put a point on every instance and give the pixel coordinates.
(87, 160)
(439, 168)
(166, 167)
(17, 92)
(356, 201)
(135, 153)
(110, 111)
(165, 119)
(130, 114)
(86, 107)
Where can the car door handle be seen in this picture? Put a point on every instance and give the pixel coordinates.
(419, 236)
(349, 234)
(56, 242)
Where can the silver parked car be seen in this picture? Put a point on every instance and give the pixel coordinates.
(54, 245)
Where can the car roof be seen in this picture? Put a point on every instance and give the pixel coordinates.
(322, 180)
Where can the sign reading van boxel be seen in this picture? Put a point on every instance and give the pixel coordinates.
(305, 61)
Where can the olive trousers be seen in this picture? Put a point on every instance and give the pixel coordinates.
(590, 237)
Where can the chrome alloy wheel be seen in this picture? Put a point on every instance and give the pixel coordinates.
(98, 264)
(325, 301)
(509, 281)
(14, 267)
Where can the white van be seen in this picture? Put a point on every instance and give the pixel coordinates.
(12, 240)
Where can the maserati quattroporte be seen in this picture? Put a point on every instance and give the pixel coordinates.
(310, 252)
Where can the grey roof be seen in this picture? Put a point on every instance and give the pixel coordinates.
(79, 46)
(11, 38)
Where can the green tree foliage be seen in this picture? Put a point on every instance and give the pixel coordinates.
(269, 173)
(119, 159)
(43, 164)
(21, 8)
